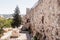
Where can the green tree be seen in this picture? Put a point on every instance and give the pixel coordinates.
(8, 23)
(5, 22)
(16, 18)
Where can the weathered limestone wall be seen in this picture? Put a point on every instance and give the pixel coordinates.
(45, 20)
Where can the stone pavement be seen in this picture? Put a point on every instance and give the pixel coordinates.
(22, 36)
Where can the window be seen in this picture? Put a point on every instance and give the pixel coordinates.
(43, 19)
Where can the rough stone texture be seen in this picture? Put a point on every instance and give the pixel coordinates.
(45, 19)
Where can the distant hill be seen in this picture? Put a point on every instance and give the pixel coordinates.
(6, 15)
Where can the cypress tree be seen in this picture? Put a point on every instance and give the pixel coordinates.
(16, 18)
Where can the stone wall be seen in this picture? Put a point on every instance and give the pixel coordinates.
(45, 20)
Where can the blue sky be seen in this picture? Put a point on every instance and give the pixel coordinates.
(8, 6)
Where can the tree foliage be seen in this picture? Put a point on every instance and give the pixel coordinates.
(16, 18)
(5, 22)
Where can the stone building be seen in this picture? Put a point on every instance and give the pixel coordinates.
(44, 19)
